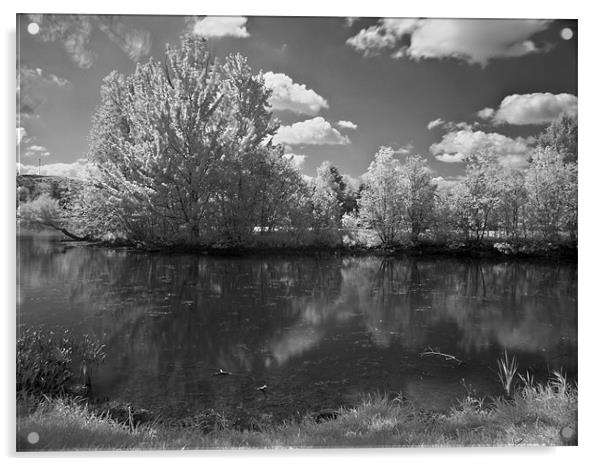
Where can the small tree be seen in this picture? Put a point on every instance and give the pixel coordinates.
(44, 212)
(382, 202)
(418, 195)
(327, 209)
(561, 136)
(551, 186)
(511, 209)
(476, 197)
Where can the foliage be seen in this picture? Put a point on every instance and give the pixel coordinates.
(475, 199)
(183, 149)
(325, 200)
(418, 195)
(382, 204)
(536, 415)
(561, 136)
(44, 212)
(181, 154)
(46, 360)
(511, 210)
(551, 186)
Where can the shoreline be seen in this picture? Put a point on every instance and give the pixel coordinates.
(486, 250)
(534, 415)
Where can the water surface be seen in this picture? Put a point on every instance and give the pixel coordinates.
(319, 331)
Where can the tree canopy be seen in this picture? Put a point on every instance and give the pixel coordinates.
(183, 148)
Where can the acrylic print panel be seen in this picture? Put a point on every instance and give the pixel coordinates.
(295, 232)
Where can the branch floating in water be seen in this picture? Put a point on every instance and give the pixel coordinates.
(448, 357)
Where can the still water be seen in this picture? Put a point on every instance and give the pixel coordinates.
(319, 331)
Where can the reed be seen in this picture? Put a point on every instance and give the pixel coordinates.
(507, 369)
(46, 360)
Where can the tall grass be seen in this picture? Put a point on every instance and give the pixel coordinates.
(507, 369)
(47, 360)
(536, 415)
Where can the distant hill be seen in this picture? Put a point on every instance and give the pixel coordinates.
(58, 187)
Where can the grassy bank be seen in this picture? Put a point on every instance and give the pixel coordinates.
(535, 415)
(487, 248)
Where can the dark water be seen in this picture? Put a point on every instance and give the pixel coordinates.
(319, 331)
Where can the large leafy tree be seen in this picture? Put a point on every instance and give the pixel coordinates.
(183, 149)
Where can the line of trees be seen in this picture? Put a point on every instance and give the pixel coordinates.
(182, 153)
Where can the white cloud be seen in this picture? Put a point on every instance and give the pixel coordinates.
(31, 85)
(346, 124)
(296, 159)
(445, 184)
(451, 125)
(36, 151)
(75, 33)
(349, 20)
(135, 43)
(472, 40)
(316, 131)
(21, 133)
(405, 149)
(486, 113)
(450, 158)
(455, 146)
(221, 26)
(77, 170)
(288, 95)
(435, 123)
(384, 35)
(531, 109)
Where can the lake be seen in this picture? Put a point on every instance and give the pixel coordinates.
(319, 330)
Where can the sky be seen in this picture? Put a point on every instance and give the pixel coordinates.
(342, 87)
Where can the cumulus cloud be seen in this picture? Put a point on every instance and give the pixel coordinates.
(221, 26)
(471, 40)
(77, 169)
(531, 109)
(316, 131)
(386, 34)
(455, 146)
(346, 124)
(296, 159)
(37, 151)
(288, 95)
(486, 113)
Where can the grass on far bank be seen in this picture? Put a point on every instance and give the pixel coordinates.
(536, 415)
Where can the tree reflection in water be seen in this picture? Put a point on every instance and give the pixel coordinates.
(317, 330)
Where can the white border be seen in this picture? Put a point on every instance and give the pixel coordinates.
(589, 225)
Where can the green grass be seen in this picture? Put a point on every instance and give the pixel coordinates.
(534, 416)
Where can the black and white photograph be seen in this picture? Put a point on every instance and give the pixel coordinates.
(270, 231)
